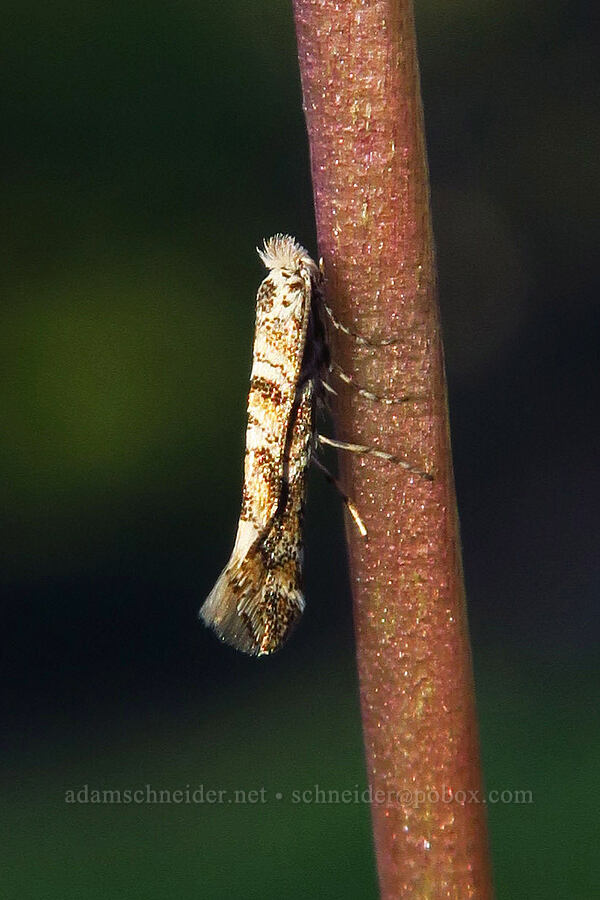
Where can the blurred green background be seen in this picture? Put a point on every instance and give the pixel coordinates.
(146, 149)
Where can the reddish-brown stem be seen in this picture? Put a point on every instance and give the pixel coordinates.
(363, 110)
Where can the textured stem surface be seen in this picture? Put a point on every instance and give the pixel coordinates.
(363, 110)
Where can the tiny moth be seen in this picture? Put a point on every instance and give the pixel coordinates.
(258, 597)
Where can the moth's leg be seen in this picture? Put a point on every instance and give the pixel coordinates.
(359, 338)
(364, 392)
(323, 397)
(363, 450)
(328, 388)
(351, 507)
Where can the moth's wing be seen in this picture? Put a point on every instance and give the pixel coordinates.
(282, 314)
(241, 580)
(258, 598)
(252, 607)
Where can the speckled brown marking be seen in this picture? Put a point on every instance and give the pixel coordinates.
(267, 389)
(258, 597)
(261, 357)
(246, 514)
(267, 467)
(266, 294)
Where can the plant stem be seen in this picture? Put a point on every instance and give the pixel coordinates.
(363, 109)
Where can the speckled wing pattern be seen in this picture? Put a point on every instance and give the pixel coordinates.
(258, 597)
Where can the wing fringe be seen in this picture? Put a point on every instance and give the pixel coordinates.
(252, 608)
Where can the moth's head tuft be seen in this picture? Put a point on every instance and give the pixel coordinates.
(283, 252)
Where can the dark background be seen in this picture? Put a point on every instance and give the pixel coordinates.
(146, 149)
